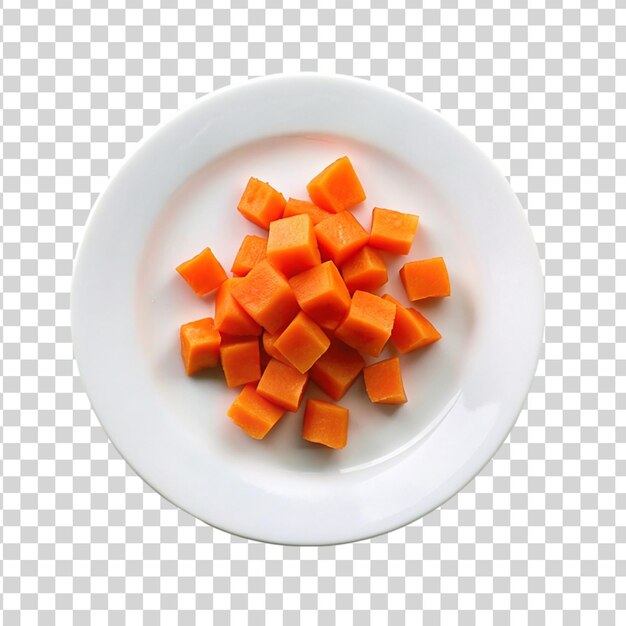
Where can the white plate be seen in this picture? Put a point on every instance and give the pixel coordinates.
(178, 193)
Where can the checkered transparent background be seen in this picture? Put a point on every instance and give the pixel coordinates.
(539, 536)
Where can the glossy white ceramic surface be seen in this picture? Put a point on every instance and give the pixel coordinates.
(178, 193)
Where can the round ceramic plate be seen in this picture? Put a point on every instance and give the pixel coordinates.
(178, 194)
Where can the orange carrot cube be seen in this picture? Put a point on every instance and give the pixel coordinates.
(266, 296)
(325, 423)
(337, 187)
(299, 207)
(322, 294)
(340, 236)
(283, 385)
(269, 339)
(411, 330)
(199, 345)
(393, 231)
(302, 342)
(368, 324)
(241, 360)
(366, 270)
(383, 382)
(425, 279)
(230, 317)
(261, 203)
(203, 273)
(292, 246)
(336, 370)
(253, 413)
(251, 252)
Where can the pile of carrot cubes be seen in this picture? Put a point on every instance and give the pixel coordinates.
(300, 305)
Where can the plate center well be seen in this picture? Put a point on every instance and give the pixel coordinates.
(203, 213)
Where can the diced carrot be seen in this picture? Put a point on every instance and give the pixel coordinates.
(368, 324)
(203, 273)
(269, 339)
(366, 270)
(425, 279)
(230, 317)
(322, 294)
(393, 231)
(261, 203)
(292, 245)
(253, 413)
(427, 330)
(337, 187)
(251, 252)
(336, 370)
(411, 330)
(383, 382)
(325, 423)
(283, 385)
(340, 236)
(298, 207)
(266, 296)
(199, 345)
(241, 360)
(302, 342)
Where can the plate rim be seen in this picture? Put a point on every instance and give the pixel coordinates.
(152, 135)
